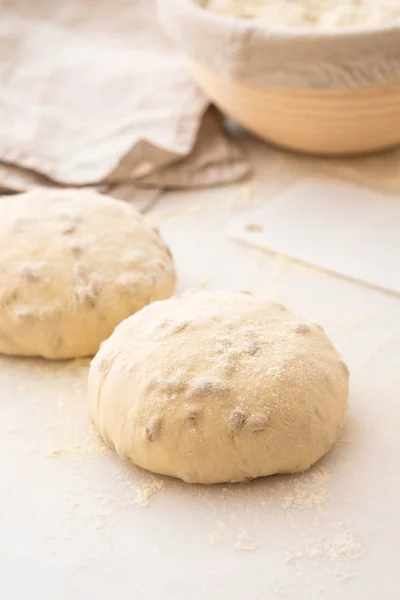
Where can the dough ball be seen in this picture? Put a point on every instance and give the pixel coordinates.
(73, 265)
(216, 387)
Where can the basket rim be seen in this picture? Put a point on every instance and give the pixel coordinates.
(283, 57)
(287, 32)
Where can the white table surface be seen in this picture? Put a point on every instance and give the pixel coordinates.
(78, 524)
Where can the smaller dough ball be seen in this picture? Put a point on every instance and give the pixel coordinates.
(216, 387)
(73, 265)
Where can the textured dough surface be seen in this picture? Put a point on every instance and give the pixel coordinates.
(73, 265)
(216, 387)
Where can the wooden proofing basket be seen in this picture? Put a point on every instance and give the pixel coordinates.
(331, 93)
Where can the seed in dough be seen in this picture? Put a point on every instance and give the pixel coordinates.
(278, 408)
(62, 254)
(236, 421)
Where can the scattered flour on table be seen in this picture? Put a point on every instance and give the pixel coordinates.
(217, 536)
(340, 545)
(307, 492)
(291, 557)
(145, 493)
(55, 452)
(244, 542)
(246, 196)
(261, 188)
(84, 447)
(339, 549)
(96, 503)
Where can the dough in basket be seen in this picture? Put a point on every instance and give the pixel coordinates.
(218, 387)
(73, 265)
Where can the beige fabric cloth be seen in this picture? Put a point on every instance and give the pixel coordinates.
(282, 58)
(92, 93)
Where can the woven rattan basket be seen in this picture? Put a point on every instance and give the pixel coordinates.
(331, 93)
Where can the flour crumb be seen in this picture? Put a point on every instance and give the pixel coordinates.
(308, 491)
(254, 227)
(87, 447)
(55, 452)
(340, 546)
(132, 492)
(145, 493)
(244, 542)
(216, 537)
(347, 576)
(292, 557)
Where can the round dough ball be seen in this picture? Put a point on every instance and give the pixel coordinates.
(216, 387)
(74, 264)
